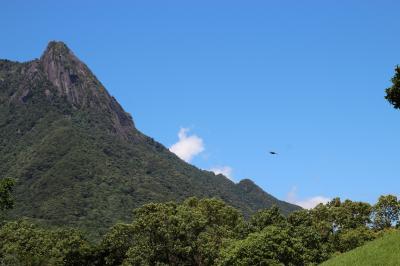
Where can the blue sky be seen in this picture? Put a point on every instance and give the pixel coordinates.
(240, 78)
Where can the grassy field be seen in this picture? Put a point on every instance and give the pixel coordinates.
(383, 251)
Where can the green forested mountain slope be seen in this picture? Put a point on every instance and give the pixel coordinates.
(78, 158)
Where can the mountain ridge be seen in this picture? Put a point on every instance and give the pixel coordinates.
(78, 157)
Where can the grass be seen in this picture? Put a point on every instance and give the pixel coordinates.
(382, 251)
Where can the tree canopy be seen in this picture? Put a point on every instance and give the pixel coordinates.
(206, 232)
(393, 92)
(6, 200)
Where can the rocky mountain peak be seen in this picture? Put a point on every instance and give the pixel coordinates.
(68, 74)
(56, 47)
(73, 80)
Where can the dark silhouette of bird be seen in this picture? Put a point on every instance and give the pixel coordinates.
(273, 153)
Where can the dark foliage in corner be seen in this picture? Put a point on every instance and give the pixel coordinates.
(393, 92)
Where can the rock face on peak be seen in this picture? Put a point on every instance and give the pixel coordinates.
(71, 77)
(74, 81)
(78, 158)
(62, 68)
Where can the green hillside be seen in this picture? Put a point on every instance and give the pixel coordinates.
(384, 251)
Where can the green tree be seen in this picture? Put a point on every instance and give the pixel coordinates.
(341, 225)
(112, 249)
(322, 220)
(6, 200)
(191, 233)
(271, 246)
(302, 226)
(300, 218)
(393, 92)
(354, 214)
(348, 214)
(22, 243)
(264, 218)
(386, 212)
(351, 238)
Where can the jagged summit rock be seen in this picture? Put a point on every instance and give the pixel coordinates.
(68, 74)
(78, 158)
(57, 48)
(74, 80)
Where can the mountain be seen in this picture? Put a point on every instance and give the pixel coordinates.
(78, 157)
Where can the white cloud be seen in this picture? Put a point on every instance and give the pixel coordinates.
(224, 170)
(308, 203)
(188, 146)
(312, 202)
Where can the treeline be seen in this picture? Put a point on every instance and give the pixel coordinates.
(203, 232)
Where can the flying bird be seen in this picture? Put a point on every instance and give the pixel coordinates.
(273, 153)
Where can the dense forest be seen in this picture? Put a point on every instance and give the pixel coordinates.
(203, 232)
